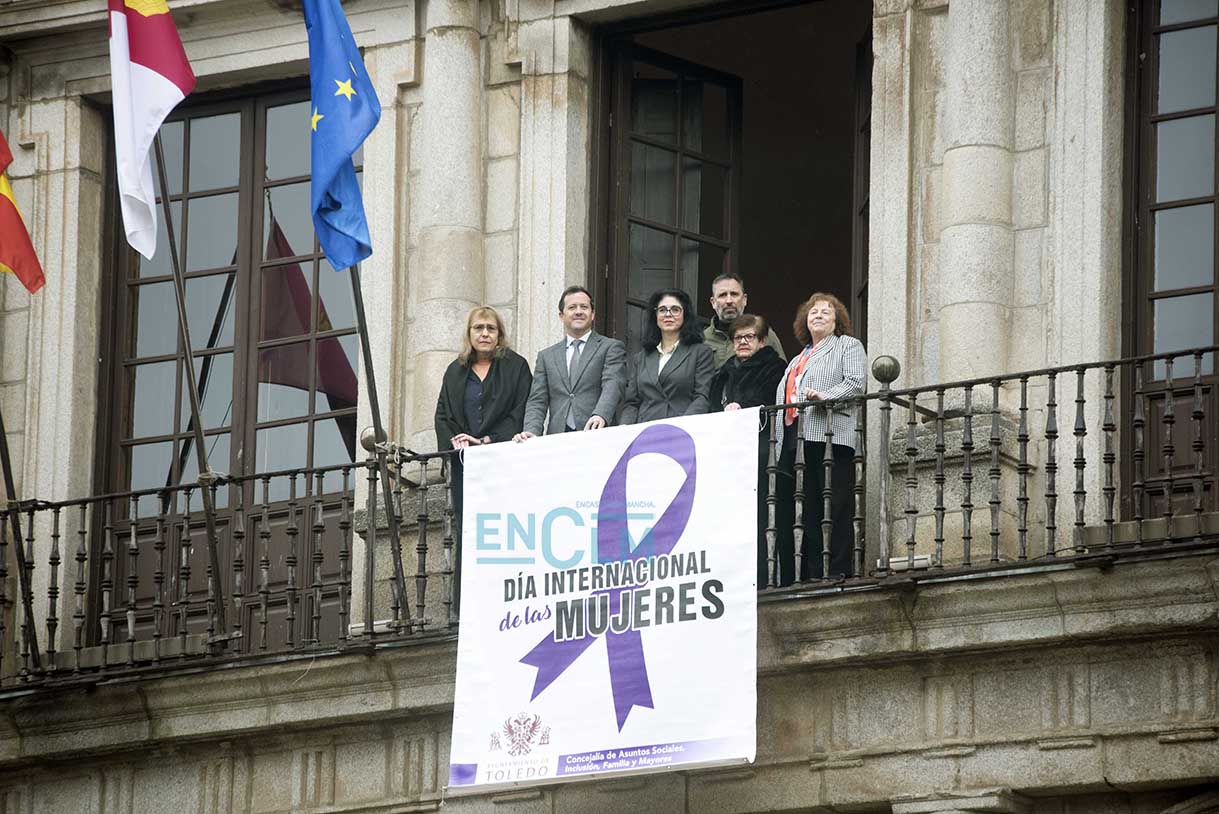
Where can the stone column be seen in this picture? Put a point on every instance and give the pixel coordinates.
(976, 244)
(448, 271)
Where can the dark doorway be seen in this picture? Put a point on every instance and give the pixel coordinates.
(770, 112)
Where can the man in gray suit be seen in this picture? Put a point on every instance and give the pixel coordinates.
(578, 380)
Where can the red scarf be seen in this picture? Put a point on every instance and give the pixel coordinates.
(793, 378)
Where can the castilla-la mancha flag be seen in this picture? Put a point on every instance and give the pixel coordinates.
(150, 75)
(17, 255)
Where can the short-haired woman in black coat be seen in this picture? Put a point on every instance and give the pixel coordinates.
(749, 379)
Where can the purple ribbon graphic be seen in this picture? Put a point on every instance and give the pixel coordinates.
(628, 670)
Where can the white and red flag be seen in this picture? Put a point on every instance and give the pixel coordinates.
(150, 75)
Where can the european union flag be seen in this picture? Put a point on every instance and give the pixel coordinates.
(345, 110)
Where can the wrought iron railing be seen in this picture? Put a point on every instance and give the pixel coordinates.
(1047, 468)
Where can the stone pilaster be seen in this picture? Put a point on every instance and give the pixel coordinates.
(976, 245)
(447, 272)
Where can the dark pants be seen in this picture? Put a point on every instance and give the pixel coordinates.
(842, 511)
(456, 477)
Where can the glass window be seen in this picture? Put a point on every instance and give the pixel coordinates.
(1187, 69)
(1182, 11)
(258, 294)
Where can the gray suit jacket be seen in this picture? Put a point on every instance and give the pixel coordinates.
(682, 388)
(597, 389)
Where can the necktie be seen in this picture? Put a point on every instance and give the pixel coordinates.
(571, 378)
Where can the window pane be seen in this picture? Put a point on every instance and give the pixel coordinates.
(654, 102)
(156, 322)
(705, 118)
(215, 151)
(159, 264)
(1180, 11)
(214, 375)
(287, 222)
(288, 141)
(217, 459)
(700, 264)
(704, 187)
(1187, 69)
(171, 144)
(1185, 158)
(336, 373)
(282, 448)
(651, 263)
(283, 381)
(212, 232)
(149, 466)
(334, 442)
(209, 310)
(152, 398)
(1185, 247)
(636, 318)
(337, 308)
(1184, 322)
(287, 301)
(653, 182)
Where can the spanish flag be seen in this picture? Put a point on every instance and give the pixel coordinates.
(17, 255)
(149, 76)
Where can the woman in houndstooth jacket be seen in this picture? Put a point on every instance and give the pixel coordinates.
(833, 365)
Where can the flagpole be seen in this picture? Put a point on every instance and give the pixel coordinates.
(206, 475)
(374, 405)
(23, 576)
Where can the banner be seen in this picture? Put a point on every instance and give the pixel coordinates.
(608, 604)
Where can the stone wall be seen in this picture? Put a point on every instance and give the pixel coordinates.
(1079, 690)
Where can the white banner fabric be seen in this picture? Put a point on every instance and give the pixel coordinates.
(608, 604)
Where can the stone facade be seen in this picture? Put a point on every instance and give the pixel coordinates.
(995, 246)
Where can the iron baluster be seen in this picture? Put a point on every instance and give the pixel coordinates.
(158, 581)
(1198, 446)
(345, 557)
(3, 579)
(370, 546)
(421, 546)
(212, 573)
(1051, 466)
(859, 462)
(1109, 457)
(107, 583)
(911, 478)
(264, 562)
(1138, 481)
(318, 557)
(886, 410)
(29, 624)
(827, 494)
(1168, 449)
(184, 552)
(447, 545)
(798, 519)
(291, 562)
(78, 613)
(52, 592)
(772, 470)
(1081, 432)
(1022, 472)
(133, 577)
(995, 471)
(396, 612)
(967, 479)
(938, 509)
(238, 537)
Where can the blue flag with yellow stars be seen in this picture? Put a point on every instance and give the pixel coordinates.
(345, 110)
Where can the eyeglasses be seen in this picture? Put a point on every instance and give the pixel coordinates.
(669, 310)
(739, 338)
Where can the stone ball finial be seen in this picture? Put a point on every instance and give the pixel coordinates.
(886, 369)
(368, 439)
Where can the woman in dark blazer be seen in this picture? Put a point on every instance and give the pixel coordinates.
(671, 375)
(749, 379)
(482, 396)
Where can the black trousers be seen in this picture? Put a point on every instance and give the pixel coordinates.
(842, 510)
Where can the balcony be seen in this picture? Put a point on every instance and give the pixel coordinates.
(976, 481)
